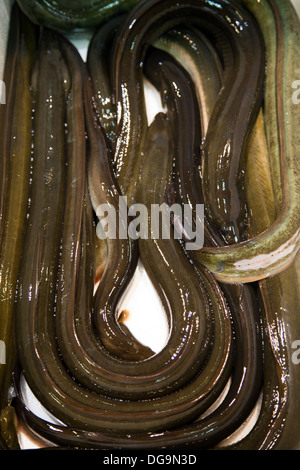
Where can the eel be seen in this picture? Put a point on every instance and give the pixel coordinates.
(15, 156)
(76, 17)
(177, 91)
(82, 408)
(277, 424)
(210, 429)
(272, 250)
(130, 45)
(191, 338)
(199, 393)
(100, 69)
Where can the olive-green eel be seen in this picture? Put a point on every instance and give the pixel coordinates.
(274, 248)
(15, 163)
(102, 90)
(267, 252)
(278, 424)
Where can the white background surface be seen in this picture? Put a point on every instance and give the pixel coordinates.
(147, 320)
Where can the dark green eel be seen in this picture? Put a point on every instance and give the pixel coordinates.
(15, 162)
(65, 17)
(126, 162)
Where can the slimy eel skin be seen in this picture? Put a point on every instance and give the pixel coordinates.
(268, 252)
(15, 178)
(274, 249)
(65, 17)
(177, 90)
(277, 425)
